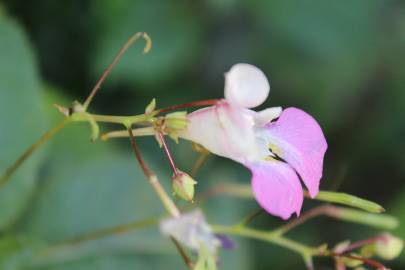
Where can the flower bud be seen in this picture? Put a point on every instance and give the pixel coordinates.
(175, 123)
(183, 186)
(151, 107)
(389, 247)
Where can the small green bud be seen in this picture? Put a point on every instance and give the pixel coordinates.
(352, 262)
(183, 186)
(151, 107)
(176, 121)
(368, 251)
(389, 247)
(77, 107)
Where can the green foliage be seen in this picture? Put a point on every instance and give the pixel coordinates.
(21, 117)
(173, 25)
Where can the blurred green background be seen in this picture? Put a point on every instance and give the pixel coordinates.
(341, 61)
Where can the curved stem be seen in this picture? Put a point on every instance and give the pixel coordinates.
(6, 176)
(128, 44)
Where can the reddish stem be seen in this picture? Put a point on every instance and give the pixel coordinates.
(199, 103)
(138, 155)
(361, 243)
(168, 154)
(369, 262)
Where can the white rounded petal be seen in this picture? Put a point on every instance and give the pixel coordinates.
(246, 86)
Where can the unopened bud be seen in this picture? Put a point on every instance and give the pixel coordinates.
(176, 121)
(389, 247)
(183, 186)
(151, 107)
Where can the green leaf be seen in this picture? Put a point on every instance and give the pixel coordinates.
(22, 119)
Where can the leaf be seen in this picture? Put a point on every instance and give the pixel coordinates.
(22, 119)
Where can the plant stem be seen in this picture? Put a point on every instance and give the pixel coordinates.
(45, 137)
(130, 41)
(122, 120)
(146, 131)
(314, 212)
(153, 180)
(120, 229)
(199, 103)
(202, 158)
(183, 253)
(168, 154)
(268, 237)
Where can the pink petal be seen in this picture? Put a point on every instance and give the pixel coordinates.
(297, 138)
(277, 188)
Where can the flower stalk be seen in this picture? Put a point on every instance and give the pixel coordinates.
(6, 176)
(153, 179)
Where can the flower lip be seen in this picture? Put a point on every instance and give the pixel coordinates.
(246, 86)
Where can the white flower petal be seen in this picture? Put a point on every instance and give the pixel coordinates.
(266, 116)
(191, 230)
(224, 130)
(246, 86)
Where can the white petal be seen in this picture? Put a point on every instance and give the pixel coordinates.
(224, 130)
(246, 86)
(190, 229)
(267, 115)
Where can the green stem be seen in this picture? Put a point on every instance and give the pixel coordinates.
(128, 44)
(276, 239)
(99, 234)
(122, 120)
(13, 168)
(153, 179)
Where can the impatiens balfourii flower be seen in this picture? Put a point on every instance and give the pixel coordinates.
(192, 230)
(278, 146)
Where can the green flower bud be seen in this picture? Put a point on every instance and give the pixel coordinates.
(389, 247)
(352, 262)
(183, 186)
(176, 121)
(151, 107)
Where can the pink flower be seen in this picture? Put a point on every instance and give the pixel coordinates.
(277, 151)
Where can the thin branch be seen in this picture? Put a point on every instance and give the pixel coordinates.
(6, 176)
(202, 158)
(99, 234)
(370, 262)
(252, 216)
(362, 243)
(199, 103)
(167, 152)
(128, 44)
(183, 253)
(314, 212)
(153, 180)
(164, 197)
(146, 131)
